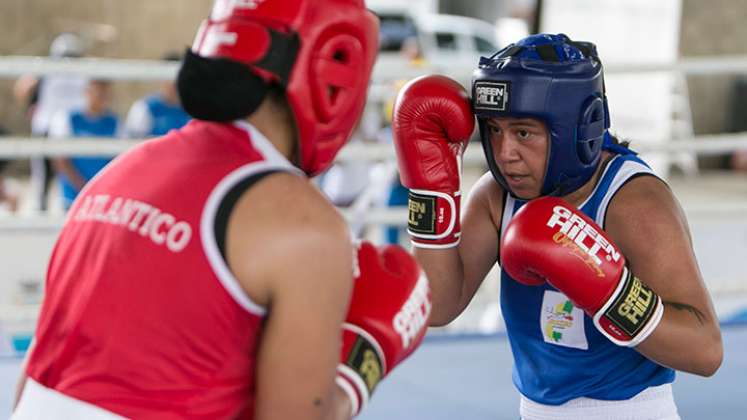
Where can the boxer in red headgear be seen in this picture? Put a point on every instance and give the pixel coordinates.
(201, 274)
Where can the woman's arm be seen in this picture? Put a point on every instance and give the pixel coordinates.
(651, 230)
(456, 273)
(291, 252)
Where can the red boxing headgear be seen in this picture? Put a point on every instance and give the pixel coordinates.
(321, 51)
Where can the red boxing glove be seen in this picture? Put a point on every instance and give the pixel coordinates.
(386, 322)
(432, 124)
(550, 240)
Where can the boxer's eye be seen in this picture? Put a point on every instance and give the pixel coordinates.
(493, 129)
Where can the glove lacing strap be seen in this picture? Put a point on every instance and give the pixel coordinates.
(363, 368)
(422, 220)
(632, 312)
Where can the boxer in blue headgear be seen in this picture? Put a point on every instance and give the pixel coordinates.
(600, 291)
(556, 80)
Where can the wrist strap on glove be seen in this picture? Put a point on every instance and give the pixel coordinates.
(362, 368)
(433, 220)
(631, 313)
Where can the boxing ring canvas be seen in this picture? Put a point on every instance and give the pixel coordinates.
(468, 377)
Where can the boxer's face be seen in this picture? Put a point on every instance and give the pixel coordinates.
(520, 151)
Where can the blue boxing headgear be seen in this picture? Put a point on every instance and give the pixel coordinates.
(556, 80)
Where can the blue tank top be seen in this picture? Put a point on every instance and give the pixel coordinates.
(82, 125)
(558, 353)
(166, 117)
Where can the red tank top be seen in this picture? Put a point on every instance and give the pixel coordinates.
(141, 315)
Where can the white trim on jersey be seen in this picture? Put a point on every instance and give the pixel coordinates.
(265, 147)
(599, 182)
(273, 161)
(40, 402)
(627, 170)
(508, 213)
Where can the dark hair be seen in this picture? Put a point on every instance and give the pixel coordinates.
(617, 141)
(218, 89)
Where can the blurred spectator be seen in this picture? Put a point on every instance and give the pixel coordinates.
(46, 96)
(94, 119)
(6, 198)
(739, 160)
(346, 180)
(157, 113)
(413, 52)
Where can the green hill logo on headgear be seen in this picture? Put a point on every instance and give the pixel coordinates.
(491, 95)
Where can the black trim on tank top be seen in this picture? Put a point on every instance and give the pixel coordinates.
(632, 177)
(220, 226)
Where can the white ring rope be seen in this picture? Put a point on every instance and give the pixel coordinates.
(25, 147)
(723, 64)
(375, 216)
(153, 70)
(103, 68)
